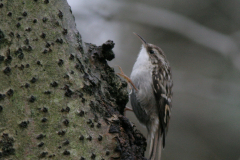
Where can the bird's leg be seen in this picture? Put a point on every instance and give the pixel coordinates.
(127, 109)
(127, 78)
(129, 81)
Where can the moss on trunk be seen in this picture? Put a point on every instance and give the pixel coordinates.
(58, 97)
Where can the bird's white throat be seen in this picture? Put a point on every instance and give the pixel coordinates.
(142, 63)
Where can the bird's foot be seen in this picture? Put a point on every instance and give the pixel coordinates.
(127, 78)
(126, 109)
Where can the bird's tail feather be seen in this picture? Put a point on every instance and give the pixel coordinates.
(155, 145)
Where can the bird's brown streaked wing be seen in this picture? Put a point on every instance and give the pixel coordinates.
(162, 87)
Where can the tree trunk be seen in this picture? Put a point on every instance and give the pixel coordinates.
(58, 97)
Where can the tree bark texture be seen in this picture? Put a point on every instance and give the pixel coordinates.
(59, 99)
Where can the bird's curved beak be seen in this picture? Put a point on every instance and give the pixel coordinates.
(143, 41)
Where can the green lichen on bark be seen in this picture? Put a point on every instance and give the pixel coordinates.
(56, 96)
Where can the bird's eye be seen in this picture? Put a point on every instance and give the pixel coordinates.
(151, 51)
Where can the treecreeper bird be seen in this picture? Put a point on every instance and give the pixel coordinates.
(151, 98)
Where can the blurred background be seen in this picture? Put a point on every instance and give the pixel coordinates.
(201, 41)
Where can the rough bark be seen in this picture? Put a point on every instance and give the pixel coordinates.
(58, 97)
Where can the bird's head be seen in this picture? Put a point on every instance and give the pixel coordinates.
(154, 53)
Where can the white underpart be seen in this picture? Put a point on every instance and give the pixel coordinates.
(142, 62)
(142, 76)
